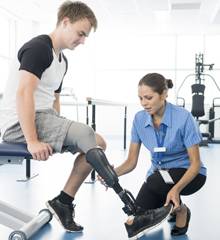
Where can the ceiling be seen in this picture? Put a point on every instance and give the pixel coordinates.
(132, 16)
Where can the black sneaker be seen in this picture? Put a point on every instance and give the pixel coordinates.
(147, 221)
(64, 213)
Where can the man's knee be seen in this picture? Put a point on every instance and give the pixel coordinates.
(87, 131)
(100, 141)
(81, 136)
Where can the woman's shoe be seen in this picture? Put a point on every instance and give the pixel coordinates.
(176, 231)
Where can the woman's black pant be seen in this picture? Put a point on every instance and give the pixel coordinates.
(154, 191)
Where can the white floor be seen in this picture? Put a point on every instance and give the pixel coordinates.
(99, 211)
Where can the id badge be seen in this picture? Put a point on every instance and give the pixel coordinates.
(166, 176)
(159, 149)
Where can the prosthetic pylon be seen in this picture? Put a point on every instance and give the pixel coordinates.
(97, 159)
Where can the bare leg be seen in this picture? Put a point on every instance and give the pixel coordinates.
(181, 216)
(81, 170)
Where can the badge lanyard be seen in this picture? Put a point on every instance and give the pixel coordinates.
(160, 150)
(160, 141)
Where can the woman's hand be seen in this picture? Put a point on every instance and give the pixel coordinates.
(173, 196)
(102, 181)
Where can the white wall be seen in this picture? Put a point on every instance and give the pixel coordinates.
(111, 63)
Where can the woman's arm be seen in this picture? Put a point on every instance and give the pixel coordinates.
(193, 170)
(131, 162)
(189, 175)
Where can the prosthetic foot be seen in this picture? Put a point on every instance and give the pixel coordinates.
(97, 159)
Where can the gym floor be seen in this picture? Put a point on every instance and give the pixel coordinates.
(99, 211)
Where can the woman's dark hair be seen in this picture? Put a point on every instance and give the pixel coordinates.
(156, 81)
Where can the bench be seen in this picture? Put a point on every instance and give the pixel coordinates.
(15, 153)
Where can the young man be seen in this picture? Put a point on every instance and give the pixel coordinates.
(31, 108)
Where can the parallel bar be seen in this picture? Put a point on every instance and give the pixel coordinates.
(94, 101)
(94, 117)
(125, 127)
(87, 115)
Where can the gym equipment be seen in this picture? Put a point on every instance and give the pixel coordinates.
(15, 153)
(23, 224)
(198, 90)
(97, 159)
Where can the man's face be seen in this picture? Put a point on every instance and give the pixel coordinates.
(75, 33)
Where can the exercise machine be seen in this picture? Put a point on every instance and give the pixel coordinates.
(198, 97)
(23, 224)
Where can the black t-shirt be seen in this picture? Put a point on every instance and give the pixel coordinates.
(36, 56)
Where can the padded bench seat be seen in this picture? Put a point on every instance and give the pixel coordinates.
(14, 149)
(15, 153)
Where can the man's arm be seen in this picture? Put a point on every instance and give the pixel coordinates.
(56, 104)
(26, 114)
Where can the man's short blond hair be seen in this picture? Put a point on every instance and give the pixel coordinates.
(75, 11)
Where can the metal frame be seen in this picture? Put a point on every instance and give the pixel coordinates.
(93, 103)
(23, 224)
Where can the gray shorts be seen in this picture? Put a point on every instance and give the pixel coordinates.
(61, 133)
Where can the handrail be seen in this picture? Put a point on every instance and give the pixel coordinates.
(68, 92)
(95, 101)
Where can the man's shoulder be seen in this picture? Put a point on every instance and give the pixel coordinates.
(41, 40)
(36, 51)
(37, 45)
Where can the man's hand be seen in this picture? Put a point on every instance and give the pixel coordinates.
(40, 150)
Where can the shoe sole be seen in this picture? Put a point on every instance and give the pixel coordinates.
(57, 218)
(144, 231)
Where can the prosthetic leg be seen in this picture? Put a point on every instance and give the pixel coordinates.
(143, 220)
(97, 159)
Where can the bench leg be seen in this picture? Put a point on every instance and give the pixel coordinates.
(28, 172)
